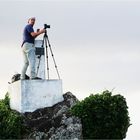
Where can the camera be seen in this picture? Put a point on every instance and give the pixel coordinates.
(46, 26)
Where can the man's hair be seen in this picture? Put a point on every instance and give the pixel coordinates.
(31, 19)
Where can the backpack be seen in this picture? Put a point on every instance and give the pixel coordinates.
(16, 77)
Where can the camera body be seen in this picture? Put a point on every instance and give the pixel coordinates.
(46, 26)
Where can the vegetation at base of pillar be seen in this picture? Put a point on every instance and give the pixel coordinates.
(10, 121)
(103, 116)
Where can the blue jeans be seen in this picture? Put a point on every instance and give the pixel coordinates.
(29, 58)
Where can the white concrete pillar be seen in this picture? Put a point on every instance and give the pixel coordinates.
(29, 95)
(40, 59)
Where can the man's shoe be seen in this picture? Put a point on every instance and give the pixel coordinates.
(36, 78)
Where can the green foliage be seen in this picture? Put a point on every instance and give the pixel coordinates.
(10, 121)
(103, 116)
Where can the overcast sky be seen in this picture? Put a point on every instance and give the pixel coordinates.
(96, 44)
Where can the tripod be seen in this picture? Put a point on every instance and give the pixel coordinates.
(47, 44)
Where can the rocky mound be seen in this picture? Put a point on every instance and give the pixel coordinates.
(54, 123)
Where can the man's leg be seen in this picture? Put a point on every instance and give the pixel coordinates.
(25, 66)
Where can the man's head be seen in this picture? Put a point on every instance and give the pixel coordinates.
(31, 20)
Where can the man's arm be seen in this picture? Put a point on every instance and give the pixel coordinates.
(35, 34)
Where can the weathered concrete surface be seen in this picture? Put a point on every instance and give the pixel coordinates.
(29, 95)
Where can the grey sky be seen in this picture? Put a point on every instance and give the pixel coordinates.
(96, 45)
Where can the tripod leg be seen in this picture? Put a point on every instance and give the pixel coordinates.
(47, 57)
(53, 57)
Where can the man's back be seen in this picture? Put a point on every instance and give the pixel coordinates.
(27, 37)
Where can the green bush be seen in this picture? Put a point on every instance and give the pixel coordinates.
(103, 116)
(10, 121)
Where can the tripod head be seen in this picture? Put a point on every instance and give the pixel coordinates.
(45, 34)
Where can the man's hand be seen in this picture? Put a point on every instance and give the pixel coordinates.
(39, 31)
(42, 31)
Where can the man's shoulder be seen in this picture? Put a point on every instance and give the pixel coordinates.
(28, 26)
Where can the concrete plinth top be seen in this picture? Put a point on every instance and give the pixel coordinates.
(29, 95)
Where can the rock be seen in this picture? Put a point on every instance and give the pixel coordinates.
(54, 123)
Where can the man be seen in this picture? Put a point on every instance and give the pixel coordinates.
(28, 48)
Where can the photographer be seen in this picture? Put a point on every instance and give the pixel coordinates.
(28, 48)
